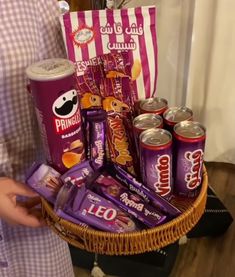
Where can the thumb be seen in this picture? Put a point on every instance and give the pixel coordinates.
(18, 188)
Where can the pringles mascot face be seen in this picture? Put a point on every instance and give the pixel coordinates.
(110, 103)
(66, 105)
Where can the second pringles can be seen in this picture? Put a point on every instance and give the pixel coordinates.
(189, 140)
(156, 161)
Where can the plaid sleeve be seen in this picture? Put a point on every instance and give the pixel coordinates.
(51, 41)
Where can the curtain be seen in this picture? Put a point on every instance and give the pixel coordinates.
(196, 40)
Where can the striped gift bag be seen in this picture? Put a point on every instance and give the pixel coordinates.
(90, 34)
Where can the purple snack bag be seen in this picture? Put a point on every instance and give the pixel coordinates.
(128, 201)
(86, 206)
(52, 84)
(96, 120)
(137, 187)
(77, 174)
(45, 180)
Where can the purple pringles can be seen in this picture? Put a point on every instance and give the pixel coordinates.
(174, 115)
(52, 85)
(190, 139)
(156, 161)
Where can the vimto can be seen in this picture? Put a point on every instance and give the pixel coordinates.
(52, 85)
(175, 115)
(189, 151)
(156, 161)
(144, 122)
(154, 105)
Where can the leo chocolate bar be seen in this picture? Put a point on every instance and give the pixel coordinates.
(90, 208)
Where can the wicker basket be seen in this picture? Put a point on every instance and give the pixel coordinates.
(135, 242)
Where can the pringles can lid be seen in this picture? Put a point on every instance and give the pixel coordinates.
(153, 104)
(177, 114)
(50, 69)
(155, 138)
(147, 121)
(190, 130)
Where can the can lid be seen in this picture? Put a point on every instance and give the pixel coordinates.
(50, 69)
(155, 137)
(190, 129)
(153, 104)
(147, 121)
(177, 114)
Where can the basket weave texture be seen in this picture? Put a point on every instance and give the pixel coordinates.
(130, 243)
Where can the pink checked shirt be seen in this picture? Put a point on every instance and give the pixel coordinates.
(29, 31)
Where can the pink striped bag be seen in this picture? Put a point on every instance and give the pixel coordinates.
(90, 34)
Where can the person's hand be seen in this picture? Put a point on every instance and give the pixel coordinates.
(14, 212)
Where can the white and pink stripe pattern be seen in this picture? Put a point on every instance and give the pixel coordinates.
(96, 30)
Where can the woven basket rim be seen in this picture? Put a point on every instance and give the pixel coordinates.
(87, 230)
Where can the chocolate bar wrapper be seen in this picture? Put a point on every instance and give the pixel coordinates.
(132, 203)
(118, 142)
(78, 173)
(45, 180)
(137, 187)
(72, 219)
(94, 210)
(96, 139)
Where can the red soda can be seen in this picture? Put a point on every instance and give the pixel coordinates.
(189, 147)
(154, 105)
(143, 122)
(156, 161)
(53, 89)
(175, 115)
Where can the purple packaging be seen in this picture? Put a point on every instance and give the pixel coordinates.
(88, 207)
(45, 180)
(78, 173)
(96, 120)
(52, 85)
(132, 203)
(156, 161)
(189, 140)
(149, 196)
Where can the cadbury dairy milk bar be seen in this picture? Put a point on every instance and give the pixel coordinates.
(88, 207)
(137, 187)
(132, 203)
(45, 180)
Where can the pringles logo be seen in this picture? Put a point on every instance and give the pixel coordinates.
(194, 177)
(163, 171)
(66, 110)
(83, 35)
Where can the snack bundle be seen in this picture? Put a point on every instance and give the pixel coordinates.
(114, 161)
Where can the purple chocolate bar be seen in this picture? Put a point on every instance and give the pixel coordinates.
(96, 120)
(90, 208)
(137, 187)
(45, 180)
(132, 203)
(78, 173)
